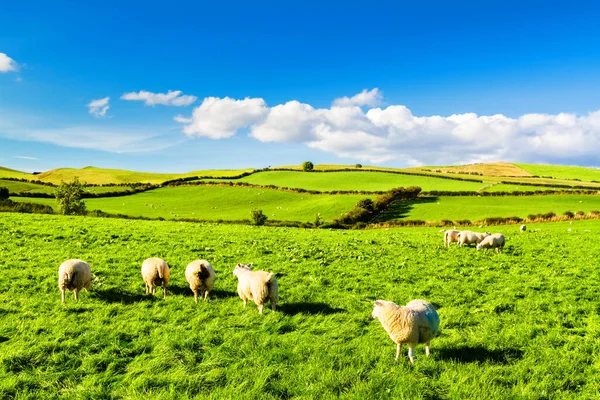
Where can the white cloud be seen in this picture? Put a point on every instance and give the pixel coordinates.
(369, 98)
(98, 108)
(393, 133)
(7, 64)
(171, 98)
(221, 118)
(26, 158)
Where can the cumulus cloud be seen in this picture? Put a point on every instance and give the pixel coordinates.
(171, 98)
(7, 64)
(221, 118)
(393, 133)
(98, 108)
(369, 98)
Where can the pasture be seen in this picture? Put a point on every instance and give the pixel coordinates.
(563, 171)
(522, 324)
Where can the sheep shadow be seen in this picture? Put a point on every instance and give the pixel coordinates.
(186, 291)
(308, 308)
(116, 296)
(479, 354)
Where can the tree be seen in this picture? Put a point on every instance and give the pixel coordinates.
(3, 193)
(258, 217)
(358, 166)
(307, 166)
(69, 198)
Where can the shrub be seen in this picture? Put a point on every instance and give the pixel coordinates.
(257, 217)
(568, 214)
(367, 204)
(69, 198)
(358, 166)
(307, 166)
(579, 213)
(3, 193)
(318, 220)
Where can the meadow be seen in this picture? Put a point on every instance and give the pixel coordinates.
(563, 171)
(522, 324)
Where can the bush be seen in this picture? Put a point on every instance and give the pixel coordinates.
(580, 213)
(358, 166)
(3, 193)
(568, 214)
(318, 221)
(257, 217)
(69, 198)
(307, 166)
(367, 204)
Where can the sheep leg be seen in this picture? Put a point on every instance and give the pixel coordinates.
(427, 349)
(62, 296)
(245, 301)
(260, 308)
(76, 294)
(398, 350)
(273, 305)
(196, 296)
(165, 291)
(205, 295)
(411, 353)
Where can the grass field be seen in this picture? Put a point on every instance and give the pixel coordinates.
(501, 187)
(563, 171)
(11, 173)
(368, 181)
(18, 187)
(227, 203)
(523, 324)
(476, 208)
(487, 169)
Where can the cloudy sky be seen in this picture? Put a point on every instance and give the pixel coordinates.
(180, 86)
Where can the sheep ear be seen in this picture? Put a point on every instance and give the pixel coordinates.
(251, 264)
(379, 303)
(238, 265)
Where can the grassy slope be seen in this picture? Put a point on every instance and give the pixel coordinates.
(487, 169)
(99, 176)
(227, 203)
(18, 187)
(563, 171)
(523, 324)
(519, 188)
(11, 173)
(355, 181)
(476, 208)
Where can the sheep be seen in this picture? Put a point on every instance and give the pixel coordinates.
(257, 286)
(155, 272)
(468, 237)
(417, 322)
(523, 228)
(74, 275)
(201, 277)
(450, 236)
(495, 241)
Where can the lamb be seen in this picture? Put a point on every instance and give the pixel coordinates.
(523, 228)
(74, 275)
(450, 236)
(257, 286)
(201, 277)
(155, 272)
(417, 322)
(495, 241)
(468, 237)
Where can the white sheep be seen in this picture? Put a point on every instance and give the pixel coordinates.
(256, 285)
(468, 237)
(523, 228)
(74, 275)
(155, 272)
(201, 277)
(450, 236)
(495, 241)
(417, 322)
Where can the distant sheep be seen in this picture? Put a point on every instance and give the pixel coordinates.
(201, 277)
(257, 286)
(495, 241)
(523, 228)
(450, 236)
(155, 273)
(74, 275)
(417, 322)
(468, 237)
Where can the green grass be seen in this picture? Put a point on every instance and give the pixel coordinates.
(523, 324)
(19, 187)
(93, 175)
(520, 188)
(563, 171)
(227, 203)
(367, 181)
(11, 173)
(476, 208)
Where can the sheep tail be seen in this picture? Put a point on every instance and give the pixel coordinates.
(269, 277)
(160, 271)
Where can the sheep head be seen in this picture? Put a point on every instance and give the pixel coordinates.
(379, 304)
(241, 268)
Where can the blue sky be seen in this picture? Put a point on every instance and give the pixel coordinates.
(441, 83)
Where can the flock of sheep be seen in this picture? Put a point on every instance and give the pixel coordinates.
(417, 322)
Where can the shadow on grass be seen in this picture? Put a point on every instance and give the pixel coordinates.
(116, 296)
(470, 354)
(186, 291)
(401, 209)
(308, 308)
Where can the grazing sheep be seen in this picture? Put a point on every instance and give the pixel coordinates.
(155, 272)
(417, 322)
(74, 275)
(201, 277)
(257, 286)
(495, 241)
(450, 236)
(523, 228)
(468, 237)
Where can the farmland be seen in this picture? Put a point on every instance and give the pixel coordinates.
(522, 324)
(562, 171)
